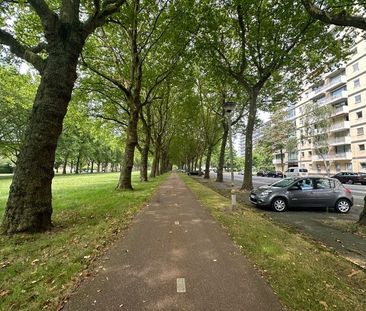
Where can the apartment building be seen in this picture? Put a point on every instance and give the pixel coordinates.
(344, 89)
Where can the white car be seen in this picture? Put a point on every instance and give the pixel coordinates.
(296, 172)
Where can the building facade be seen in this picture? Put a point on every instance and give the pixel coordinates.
(344, 90)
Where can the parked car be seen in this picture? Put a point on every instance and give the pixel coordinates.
(314, 191)
(275, 174)
(262, 173)
(351, 178)
(296, 172)
(195, 173)
(240, 172)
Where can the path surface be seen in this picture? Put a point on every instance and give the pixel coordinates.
(174, 257)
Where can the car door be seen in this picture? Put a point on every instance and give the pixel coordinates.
(323, 192)
(300, 194)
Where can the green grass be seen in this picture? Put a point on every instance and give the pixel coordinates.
(37, 270)
(304, 276)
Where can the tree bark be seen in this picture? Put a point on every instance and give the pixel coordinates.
(248, 164)
(220, 169)
(64, 165)
(125, 180)
(208, 163)
(29, 206)
(362, 220)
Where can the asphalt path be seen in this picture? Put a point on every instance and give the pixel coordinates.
(174, 257)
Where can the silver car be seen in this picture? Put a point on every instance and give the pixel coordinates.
(314, 191)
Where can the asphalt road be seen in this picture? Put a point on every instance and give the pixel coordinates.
(174, 257)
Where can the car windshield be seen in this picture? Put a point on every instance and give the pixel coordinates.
(283, 183)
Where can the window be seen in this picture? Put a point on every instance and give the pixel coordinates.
(310, 153)
(361, 147)
(355, 67)
(322, 183)
(360, 131)
(349, 167)
(305, 184)
(302, 154)
(338, 167)
(359, 114)
(363, 165)
(357, 98)
(356, 83)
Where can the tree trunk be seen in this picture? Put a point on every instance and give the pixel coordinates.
(248, 164)
(208, 163)
(98, 167)
(144, 163)
(77, 170)
(282, 164)
(29, 206)
(64, 165)
(362, 220)
(71, 166)
(125, 180)
(153, 166)
(220, 169)
(92, 167)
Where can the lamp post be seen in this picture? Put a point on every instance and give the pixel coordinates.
(229, 108)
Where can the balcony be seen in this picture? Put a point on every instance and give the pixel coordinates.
(336, 82)
(332, 157)
(346, 140)
(340, 126)
(340, 110)
(341, 96)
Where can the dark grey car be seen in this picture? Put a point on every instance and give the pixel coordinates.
(314, 191)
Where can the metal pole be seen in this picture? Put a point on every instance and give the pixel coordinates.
(233, 195)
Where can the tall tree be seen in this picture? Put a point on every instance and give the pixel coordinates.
(143, 45)
(259, 43)
(280, 135)
(63, 30)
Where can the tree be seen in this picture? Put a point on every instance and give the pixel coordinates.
(280, 135)
(15, 106)
(338, 12)
(262, 46)
(59, 33)
(134, 54)
(317, 122)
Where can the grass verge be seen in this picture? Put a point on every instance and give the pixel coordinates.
(36, 270)
(304, 276)
(347, 226)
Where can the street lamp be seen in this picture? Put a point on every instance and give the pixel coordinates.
(229, 108)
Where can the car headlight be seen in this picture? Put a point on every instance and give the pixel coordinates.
(265, 193)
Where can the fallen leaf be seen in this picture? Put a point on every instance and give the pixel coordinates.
(354, 272)
(324, 304)
(5, 292)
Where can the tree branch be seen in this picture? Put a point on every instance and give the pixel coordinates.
(340, 19)
(22, 51)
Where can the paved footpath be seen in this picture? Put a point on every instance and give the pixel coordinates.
(174, 257)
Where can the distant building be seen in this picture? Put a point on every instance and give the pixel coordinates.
(344, 89)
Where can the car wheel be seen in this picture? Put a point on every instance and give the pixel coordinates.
(343, 206)
(350, 181)
(363, 183)
(279, 204)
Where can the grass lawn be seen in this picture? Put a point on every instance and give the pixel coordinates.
(304, 276)
(37, 270)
